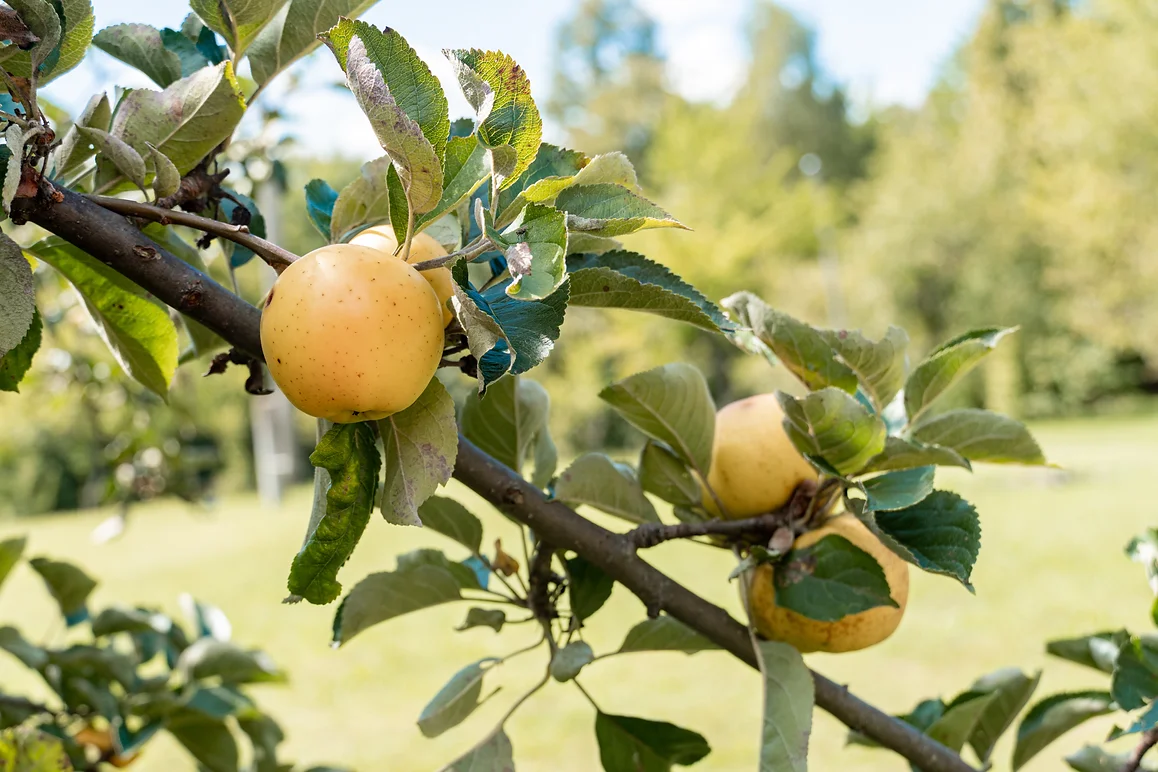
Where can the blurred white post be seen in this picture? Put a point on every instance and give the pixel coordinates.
(271, 417)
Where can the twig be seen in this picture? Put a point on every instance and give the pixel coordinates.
(651, 534)
(469, 252)
(1148, 741)
(279, 259)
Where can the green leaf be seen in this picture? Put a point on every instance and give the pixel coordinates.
(238, 21)
(1135, 678)
(455, 701)
(420, 445)
(661, 472)
(907, 454)
(74, 150)
(670, 404)
(365, 201)
(1052, 717)
(207, 739)
(118, 152)
(321, 200)
(506, 421)
(17, 298)
(15, 364)
(118, 619)
(551, 162)
(403, 101)
(397, 203)
(611, 487)
(804, 350)
(954, 728)
(665, 633)
(613, 167)
(879, 365)
(788, 702)
(196, 50)
(211, 658)
(590, 587)
(414, 585)
(629, 744)
(946, 365)
(535, 257)
(493, 754)
(1099, 651)
(981, 435)
(493, 618)
(15, 138)
(899, 490)
(166, 178)
(349, 454)
(464, 169)
(1094, 759)
(498, 90)
(68, 585)
(606, 209)
(140, 46)
(834, 425)
(570, 660)
(620, 279)
(940, 534)
(451, 519)
(239, 255)
(293, 32)
(830, 580)
(264, 735)
(11, 551)
(1011, 690)
(15, 644)
(185, 121)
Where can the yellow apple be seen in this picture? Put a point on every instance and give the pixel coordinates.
(422, 247)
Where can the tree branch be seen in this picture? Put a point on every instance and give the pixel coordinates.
(277, 258)
(112, 240)
(1148, 741)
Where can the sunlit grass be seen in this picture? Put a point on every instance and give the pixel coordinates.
(1052, 566)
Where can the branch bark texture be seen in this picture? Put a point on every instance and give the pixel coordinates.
(111, 239)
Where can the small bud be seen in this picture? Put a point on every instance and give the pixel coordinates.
(781, 540)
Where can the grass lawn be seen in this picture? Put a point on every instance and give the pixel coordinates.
(1052, 566)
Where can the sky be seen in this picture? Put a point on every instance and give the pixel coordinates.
(886, 51)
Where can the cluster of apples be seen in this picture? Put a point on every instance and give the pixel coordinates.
(351, 332)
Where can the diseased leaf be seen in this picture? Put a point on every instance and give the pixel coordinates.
(403, 101)
(414, 585)
(420, 444)
(498, 90)
(802, 349)
(137, 330)
(830, 579)
(350, 457)
(17, 297)
(74, 150)
(15, 137)
(665, 633)
(455, 701)
(43, 20)
(166, 178)
(620, 279)
(535, 257)
(127, 160)
(946, 365)
(606, 209)
(670, 404)
(1052, 717)
(788, 702)
(981, 435)
(629, 744)
(611, 487)
(293, 32)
